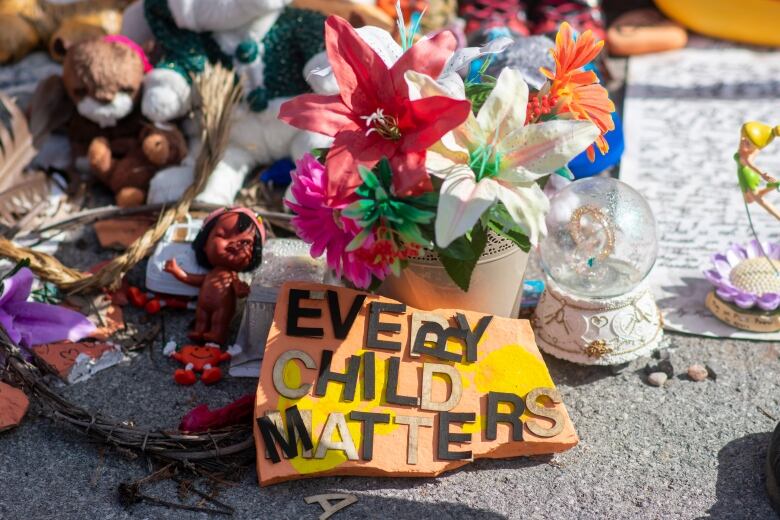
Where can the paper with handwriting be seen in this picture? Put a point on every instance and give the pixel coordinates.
(683, 112)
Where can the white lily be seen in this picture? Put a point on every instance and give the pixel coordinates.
(494, 157)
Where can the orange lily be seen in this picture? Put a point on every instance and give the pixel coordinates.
(578, 91)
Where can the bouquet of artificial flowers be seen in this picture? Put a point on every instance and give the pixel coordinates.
(423, 160)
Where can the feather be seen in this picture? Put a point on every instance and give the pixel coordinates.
(50, 109)
(16, 146)
(23, 201)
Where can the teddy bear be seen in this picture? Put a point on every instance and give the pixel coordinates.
(56, 25)
(271, 46)
(128, 177)
(104, 78)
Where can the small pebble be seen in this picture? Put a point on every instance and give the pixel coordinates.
(657, 378)
(664, 365)
(697, 373)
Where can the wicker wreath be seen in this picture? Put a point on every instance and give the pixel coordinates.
(217, 453)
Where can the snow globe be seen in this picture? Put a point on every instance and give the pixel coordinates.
(600, 246)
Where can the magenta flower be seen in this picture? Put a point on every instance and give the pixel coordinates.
(324, 227)
(317, 222)
(743, 276)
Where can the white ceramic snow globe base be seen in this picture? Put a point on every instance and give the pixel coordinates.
(600, 246)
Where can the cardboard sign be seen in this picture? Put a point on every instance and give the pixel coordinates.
(76, 362)
(357, 384)
(13, 406)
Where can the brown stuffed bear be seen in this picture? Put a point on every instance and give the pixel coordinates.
(28, 24)
(128, 177)
(103, 78)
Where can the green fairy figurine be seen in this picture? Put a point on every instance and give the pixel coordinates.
(755, 137)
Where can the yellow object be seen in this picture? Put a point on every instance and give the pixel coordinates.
(28, 24)
(760, 134)
(356, 13)
(83, 21)
(748, 21)
(21, 23)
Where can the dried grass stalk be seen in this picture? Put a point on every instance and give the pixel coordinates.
(16, 143)
(219, 93)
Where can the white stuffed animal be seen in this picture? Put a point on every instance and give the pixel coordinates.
(272, 47)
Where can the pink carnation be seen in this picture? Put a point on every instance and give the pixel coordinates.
(322, 225)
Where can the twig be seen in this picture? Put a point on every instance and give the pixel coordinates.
(203, 495)
(93, 215)
(131, 494)
(769, 415)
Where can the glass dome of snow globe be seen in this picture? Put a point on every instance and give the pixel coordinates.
(601, 238)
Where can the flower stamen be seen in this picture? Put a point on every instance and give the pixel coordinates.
(385, 125)
(485, 162)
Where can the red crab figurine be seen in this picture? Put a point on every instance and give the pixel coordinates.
(231, 241)
(198, 358)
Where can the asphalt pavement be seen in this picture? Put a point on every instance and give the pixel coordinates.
(687, 450)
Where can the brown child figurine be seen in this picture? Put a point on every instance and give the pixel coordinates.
(230, 241)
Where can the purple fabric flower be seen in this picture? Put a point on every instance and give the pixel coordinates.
(742, 276)
(29, 323)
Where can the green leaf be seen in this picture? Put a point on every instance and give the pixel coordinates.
(364, 192)
(395, 267)
(392, 216)
(24, 262)
(469, 246)
(461, 269)
(375, 284)
(458, 270)
(358, 209)
(514, 234)
(409, 212)
(426, 200)
(385, 173)
(369, 179)
(459, 249)
(320, 154)
(478, 93)
(410, 232)
(359, 239)
(478, 239)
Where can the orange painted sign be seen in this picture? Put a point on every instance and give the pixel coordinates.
(357, 384)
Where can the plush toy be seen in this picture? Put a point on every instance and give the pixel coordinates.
(128, 177)
(56, 24)
(103, 78)
(273, 47)
(358, 12)
(231, 241)
(198, 358)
